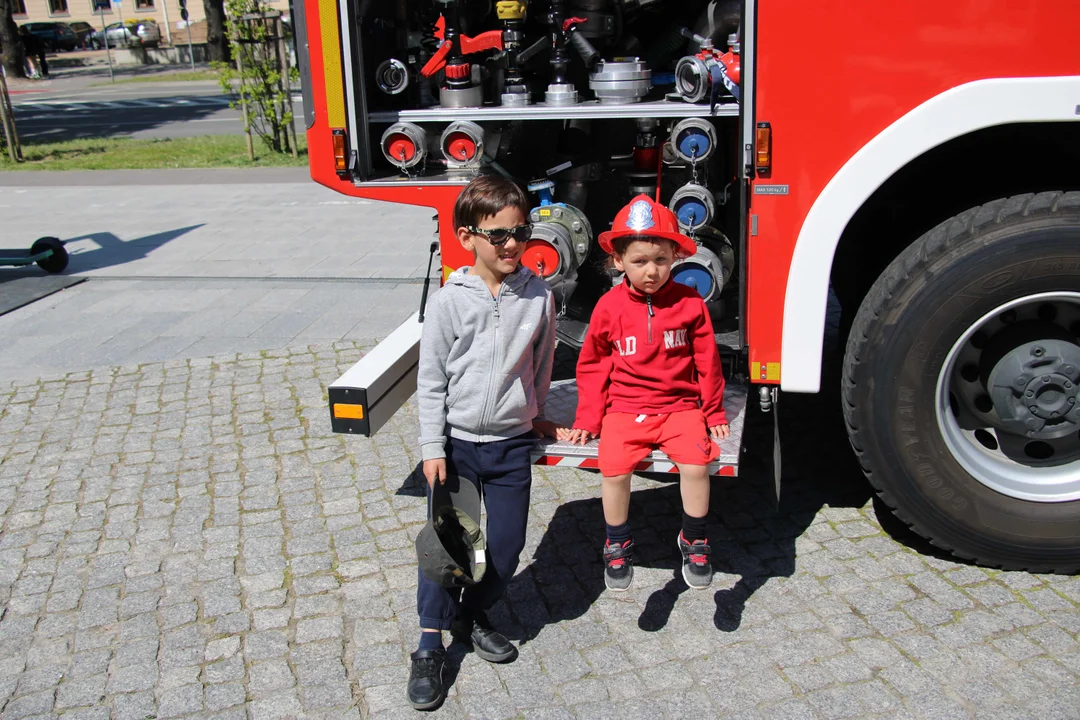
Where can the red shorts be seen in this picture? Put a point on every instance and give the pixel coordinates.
(683, 436)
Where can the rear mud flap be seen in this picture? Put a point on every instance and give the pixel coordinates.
(562, 404)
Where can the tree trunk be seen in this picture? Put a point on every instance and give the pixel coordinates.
(14, 57)
(216, 40)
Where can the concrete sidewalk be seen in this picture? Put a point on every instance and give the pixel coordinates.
(156, 178)
(193, 263)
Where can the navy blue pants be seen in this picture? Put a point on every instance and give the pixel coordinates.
(502, 471)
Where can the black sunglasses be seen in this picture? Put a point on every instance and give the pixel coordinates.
(500, 236)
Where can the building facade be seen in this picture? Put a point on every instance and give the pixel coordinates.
(166, 13)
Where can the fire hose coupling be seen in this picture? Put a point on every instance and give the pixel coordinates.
(704, 74)
(693, 205)
(404, 145)
(462, 144)
(620, 82)
(393, 76)
(561, 239)
(709, 269)
(693, 139)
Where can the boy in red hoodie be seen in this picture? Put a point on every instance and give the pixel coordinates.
(649, 376)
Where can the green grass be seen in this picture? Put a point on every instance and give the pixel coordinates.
(188, 76)
(217, 151)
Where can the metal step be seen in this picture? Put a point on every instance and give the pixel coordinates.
(562, 405)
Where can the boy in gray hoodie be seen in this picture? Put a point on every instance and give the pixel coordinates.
(485, 367)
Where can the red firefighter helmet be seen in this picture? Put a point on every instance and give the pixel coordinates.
(644, 218)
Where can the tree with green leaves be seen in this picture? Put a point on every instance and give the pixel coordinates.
(259, 73)
(14, 57)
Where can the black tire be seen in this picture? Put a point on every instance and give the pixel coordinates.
(55, 263)
(922, 304)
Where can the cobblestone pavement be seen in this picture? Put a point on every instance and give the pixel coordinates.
(188, 539)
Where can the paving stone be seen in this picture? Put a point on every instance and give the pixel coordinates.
(132, 679)
(202, 538)
(936, 704)
(266, 677)
(318, 629)
(84, 692)
(180, 701)
(137, 706)
(230, 669)
(38, 703)
(273, 707)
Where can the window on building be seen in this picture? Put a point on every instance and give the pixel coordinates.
(18, 8)
(96, 6)
(58, 7)
(144, 4)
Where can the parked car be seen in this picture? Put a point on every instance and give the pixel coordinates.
(55, 35)
(84, 30)
(144, 33)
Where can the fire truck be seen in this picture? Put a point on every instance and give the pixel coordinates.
(915, 161)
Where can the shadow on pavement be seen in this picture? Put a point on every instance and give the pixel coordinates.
(112, 251)
(751, 535)
(20, 286)
(79, 120)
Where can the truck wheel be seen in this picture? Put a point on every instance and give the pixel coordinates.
(56, 262)
(960, 384)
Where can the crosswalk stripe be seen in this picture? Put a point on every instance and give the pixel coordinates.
(164, 102)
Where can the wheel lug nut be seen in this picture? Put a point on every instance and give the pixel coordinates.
(1029, 393)
(1033, 408)
(1046, 378)
(1038, 351)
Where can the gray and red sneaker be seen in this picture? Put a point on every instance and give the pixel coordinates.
(619, 565)
(696, 568)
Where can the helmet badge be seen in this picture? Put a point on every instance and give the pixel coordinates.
(640, 217)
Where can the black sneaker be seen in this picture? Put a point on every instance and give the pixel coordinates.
(488, 644)
(696, 569)
(619, 565)
(425, 690)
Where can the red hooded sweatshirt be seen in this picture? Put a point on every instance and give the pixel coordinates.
(649, 354)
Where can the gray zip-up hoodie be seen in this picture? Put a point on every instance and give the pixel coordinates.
(485, 362)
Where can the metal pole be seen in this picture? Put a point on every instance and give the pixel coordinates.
(191, 54)
(105, 37)
(243, 103)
